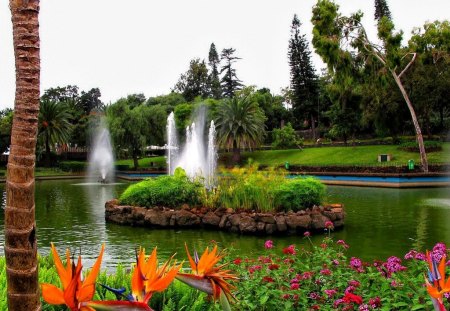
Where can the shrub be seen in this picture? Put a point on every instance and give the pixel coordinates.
(412, 146)
(285, 137)
(171, 191)
(299, 193)
(72, 166)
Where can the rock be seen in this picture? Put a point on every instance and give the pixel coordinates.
(295, 222)
(260, 226)
(281, 223)
(158, 217)
(138, 216)
(184, 218)
(330, 215)
(223, 221)
(271, 228)
(247, 224)
(266, 218)
(235, 219)
(229, 211)
(234, 229)
(211, 219)
(318, 221)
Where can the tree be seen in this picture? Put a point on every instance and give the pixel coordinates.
(134, 127)
(240, 124)
(6, 117)
(333, 31)
(230, 83)
(304, 81)
(195, 81)
(90, 100)
(214, 81)
(54, 125)
(66, 94)
(382, 10)
(20, 225)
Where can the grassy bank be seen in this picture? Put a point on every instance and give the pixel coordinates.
(358, 155)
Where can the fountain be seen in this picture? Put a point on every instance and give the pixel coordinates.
(101, 160)
(193, 157)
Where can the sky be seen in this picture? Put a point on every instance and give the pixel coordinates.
(143, 46)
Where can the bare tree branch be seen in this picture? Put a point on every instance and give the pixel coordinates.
(409, 64)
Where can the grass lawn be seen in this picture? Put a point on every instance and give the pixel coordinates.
(144, 162)
(358, 155)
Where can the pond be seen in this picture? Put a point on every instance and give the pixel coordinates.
(380, 222)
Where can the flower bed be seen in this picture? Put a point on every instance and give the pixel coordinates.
(226, 219)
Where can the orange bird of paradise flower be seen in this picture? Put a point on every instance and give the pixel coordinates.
(208, 277)
(147, 279)
(74, 291)
(436, 283)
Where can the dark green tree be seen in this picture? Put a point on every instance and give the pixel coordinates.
(240, 124)
(6, 117)
(67, 94)
(90, 101)
(54, 126)
(230, 83)
(169, 101)
(304, 82)
(135, 127)
(214, 81)
(195, 81)
(382, 10)
(332, 32)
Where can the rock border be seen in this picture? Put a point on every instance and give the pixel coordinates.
(226, 219)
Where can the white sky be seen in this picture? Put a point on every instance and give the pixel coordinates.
(142, 46)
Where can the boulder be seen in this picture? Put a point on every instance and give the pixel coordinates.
(247, 224)
(158, 218)
(211, 219)
(266, 218)
(295, 222)
(185, 218)
(281, 223)
(271, 228)
(318, 221)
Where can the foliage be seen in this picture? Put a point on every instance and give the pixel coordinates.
(272, 106)
(240, 124)
(135, 127)
(195, 82)
(230, 83)
(6, 117)
(304, 82)
(267, 191)
(299, 193)
(324, 278)
(382, 10)
(171, 191)
(412, 146)
(54, 125)
(72, 166)
(214, 81)
(183, 113)
(285, 138)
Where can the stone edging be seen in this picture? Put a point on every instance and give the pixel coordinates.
(226, 219)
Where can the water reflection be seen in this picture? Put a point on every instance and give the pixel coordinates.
(379, 223)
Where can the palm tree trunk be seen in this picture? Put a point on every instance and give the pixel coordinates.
(236, 153)
(20, 225)
(47, 150)
(419, 137)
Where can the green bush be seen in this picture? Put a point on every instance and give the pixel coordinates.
(72, 166)
(413, 146)
(285, 138)
(299, 193)
(170, 191)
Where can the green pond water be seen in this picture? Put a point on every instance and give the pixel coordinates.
(379, 223)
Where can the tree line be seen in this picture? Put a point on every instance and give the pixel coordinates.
(357, 96)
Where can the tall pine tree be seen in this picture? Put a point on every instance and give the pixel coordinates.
(304, 81)
(214, 81)
(229, 82)
(381, 10)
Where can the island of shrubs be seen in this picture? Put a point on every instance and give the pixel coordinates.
(242, 189)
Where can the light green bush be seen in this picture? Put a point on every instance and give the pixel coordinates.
(299, 193)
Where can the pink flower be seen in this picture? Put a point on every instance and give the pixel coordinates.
(330, 292)
(325, 272)
(354, 283)
(343, 244)
(285, 296)
(314, 296)
(268, 244)
(254, 268)
(237, 261)
(307, 234)
(268, 279)
(329, 224)
(274, 267)
(295, 286)
(335, 262)
(289, 250)
(375, 302)
(349, 297)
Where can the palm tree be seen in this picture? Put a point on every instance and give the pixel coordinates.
(240, 124)
(20, 226)
(54, 125)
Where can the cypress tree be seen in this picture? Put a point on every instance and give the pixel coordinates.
(229, 82)
(214, 81)
(304, 81)
(381, 10)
